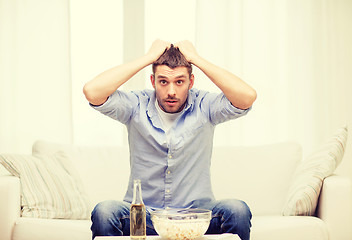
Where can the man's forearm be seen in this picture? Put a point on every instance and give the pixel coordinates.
(239, 93)
(103, 85)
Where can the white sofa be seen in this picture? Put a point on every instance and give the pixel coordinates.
(259, 175)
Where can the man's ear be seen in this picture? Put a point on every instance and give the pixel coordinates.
(191, 79)
(152, 80)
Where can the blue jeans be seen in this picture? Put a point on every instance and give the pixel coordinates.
(112, 218)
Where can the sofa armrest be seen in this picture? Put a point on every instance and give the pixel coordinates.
(335, 206)
(10, 205)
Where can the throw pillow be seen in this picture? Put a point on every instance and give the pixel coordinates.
(50, 186)
(308, 179)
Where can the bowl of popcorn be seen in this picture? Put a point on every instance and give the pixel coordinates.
(186, 224)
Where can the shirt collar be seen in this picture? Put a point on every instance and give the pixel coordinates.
(190, 101)
(152, 111)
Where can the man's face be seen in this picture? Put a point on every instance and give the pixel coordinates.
(171, 87)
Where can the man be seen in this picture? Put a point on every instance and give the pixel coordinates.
(171, 136)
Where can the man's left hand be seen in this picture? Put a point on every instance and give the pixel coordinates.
(188, 50)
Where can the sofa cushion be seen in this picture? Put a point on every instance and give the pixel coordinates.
(288, 228)
(53, 229)
(255, 172)
(104, 170)
(50, 187)
(308, 179)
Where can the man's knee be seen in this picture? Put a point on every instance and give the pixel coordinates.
(237, 208)
(110, 218)
(109, 209)
(238, 218)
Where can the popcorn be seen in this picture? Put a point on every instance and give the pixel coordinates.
(184, 229)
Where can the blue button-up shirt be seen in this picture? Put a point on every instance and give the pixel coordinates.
(174, 173)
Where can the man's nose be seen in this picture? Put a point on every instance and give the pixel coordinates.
(171, 90)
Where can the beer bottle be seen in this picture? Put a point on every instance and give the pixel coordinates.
(137, 213)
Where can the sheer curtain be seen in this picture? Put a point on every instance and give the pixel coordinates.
(96, 34)
(296, 54)
(35, 86)
(49, 49)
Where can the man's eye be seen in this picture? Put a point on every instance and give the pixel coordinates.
(179, 82)
(163, 82)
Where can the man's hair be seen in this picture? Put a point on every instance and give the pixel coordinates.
(173, 58)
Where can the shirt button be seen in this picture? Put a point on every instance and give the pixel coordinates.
(170, 156)
(168, 172)
(168, 190)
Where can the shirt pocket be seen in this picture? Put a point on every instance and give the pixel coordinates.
(193, 130)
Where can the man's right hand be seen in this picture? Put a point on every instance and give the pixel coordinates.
(157, 49)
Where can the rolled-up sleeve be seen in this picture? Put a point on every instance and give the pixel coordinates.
(221, 109)
(120, 106)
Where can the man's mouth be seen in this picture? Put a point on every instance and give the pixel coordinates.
(170, 102)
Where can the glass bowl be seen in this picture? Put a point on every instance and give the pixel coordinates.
(184, 224)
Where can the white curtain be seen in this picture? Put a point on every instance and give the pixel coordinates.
(35, 84)
(49, 49)
(96, 39)
(297, 54)
(293, 53)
